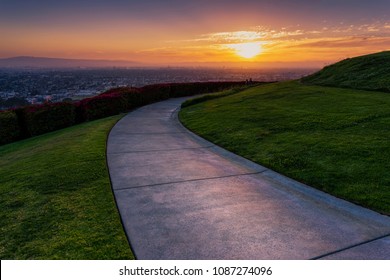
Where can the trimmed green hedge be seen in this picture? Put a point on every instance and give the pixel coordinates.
(9, 127)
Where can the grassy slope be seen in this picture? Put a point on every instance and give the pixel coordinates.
(334, 139)
(371, 72)
(56, 199)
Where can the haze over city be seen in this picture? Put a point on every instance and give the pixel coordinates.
(248, 33)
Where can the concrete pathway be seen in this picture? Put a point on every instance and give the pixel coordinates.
(181, 197)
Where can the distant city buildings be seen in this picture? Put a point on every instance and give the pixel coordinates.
(37, 86)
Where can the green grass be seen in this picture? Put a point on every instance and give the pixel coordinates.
(370, 72)
(334, 139)
(56, 199)
(216, 95)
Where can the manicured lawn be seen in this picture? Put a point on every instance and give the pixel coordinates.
(337, 140)
(56, 199)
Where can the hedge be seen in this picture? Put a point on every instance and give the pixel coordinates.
(188, 89)
(9, 127)
(38, 119)
(154, 93)
(101, 106)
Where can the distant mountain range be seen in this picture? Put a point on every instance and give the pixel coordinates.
(46, 62)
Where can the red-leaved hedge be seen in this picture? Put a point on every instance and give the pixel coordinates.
(38, 119)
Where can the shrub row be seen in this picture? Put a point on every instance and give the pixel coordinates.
(38, 119)
(100, 106)
(9, 127)
(24, 122)
(188, 89)
(202, 98)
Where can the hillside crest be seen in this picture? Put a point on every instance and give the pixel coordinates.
(368, 72)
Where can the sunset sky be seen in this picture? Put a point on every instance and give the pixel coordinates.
(261, 33)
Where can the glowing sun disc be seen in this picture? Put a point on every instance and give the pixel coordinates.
(247, 50)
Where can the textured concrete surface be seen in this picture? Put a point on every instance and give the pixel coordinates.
(181, 197)
(373, 250)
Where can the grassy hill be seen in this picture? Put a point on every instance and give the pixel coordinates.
(334, 139)
(369, 72)
(56, 199)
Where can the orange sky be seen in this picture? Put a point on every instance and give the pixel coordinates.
(196, 34)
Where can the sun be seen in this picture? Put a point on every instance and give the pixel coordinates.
(247, 50)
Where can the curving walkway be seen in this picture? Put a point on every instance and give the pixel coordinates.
(181, 197)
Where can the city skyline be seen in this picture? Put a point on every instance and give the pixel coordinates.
(249, 33)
